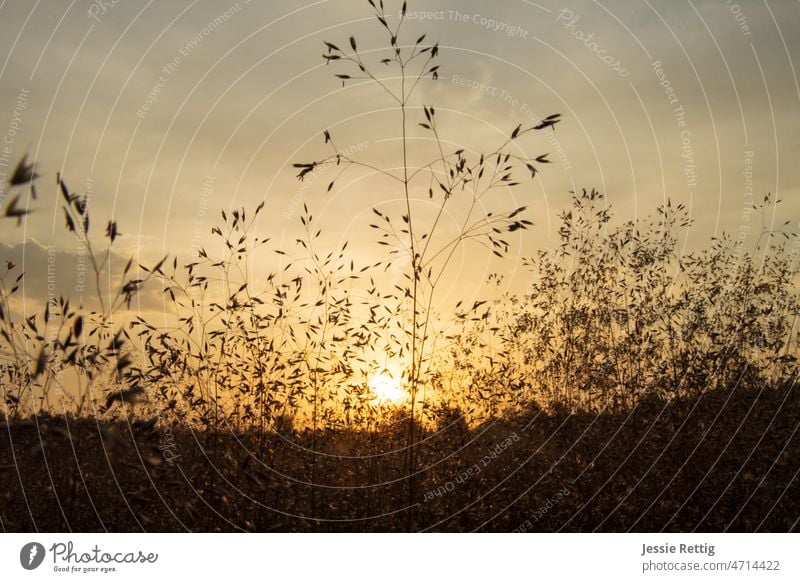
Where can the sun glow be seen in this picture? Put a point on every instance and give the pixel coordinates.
(387, 389)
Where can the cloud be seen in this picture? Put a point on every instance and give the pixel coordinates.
(52, 272)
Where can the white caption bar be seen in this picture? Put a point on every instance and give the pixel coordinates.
(388, 557)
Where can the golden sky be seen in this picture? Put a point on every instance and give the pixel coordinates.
(169, 111)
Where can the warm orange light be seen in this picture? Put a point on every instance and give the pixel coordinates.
(387, 389)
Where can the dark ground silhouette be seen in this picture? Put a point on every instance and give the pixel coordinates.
(723, 461)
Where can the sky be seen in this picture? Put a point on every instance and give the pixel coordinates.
(167, 112)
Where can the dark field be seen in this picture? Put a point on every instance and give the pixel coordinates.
(723, 461)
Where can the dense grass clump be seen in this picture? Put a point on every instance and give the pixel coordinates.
(616, 314)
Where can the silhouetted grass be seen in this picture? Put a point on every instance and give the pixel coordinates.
(632, 386)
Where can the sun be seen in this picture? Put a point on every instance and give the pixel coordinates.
(387, 389)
